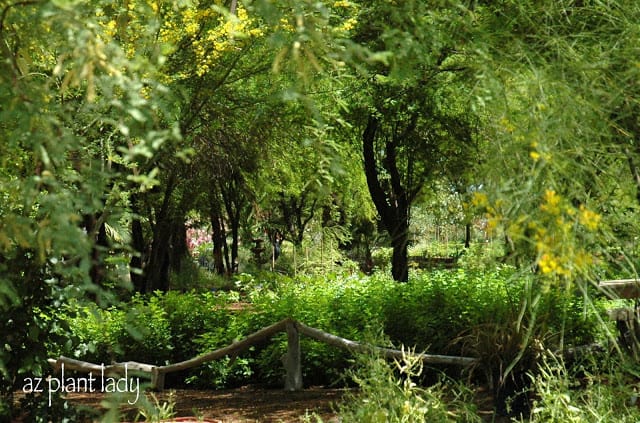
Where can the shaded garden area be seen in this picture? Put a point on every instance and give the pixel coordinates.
(451, 178)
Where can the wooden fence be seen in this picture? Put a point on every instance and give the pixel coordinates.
(291, 361)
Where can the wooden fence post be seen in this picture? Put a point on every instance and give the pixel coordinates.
(293, 377)
(157, 379)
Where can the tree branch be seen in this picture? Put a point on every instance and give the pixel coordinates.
(378, 195)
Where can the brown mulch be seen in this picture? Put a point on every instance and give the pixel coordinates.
(247, 404)
(251, 404)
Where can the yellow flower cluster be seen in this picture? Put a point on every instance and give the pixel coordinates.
(557, 241)
(551, 202)
(480, 201)
(589, 219)
(208, 45)
(548, 263)
(110, 28)
(127, 28)
(556, 233)
(537, 154)
(348, 25)
(190, 22)
(507, 125)
(285, 25)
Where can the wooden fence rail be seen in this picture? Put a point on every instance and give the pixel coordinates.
(292, 359)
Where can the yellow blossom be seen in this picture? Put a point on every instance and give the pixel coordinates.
(492, 223)
(110, 28)
(507, 125)
(551, 202)
(589, 219)
(548, 264)
(349, 24)
(479, 199)
(583, 260)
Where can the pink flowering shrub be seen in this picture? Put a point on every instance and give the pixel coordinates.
(197, 237)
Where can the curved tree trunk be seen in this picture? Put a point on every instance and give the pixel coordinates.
(392, 204)
(218, 236)
(234, 200)
(95, 227)
(157, 274)
(179, 248)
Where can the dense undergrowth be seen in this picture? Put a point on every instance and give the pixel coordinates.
(489, 313)
(442, 312)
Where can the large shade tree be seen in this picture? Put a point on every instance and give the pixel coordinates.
(411, 107)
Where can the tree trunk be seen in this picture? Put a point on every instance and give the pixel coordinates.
(400, 257)
(179, 248)
(157, 274)
(136, 265)
(235, 240)
(97, 230)
(467, 235)
(157, 268)
(225, 251)
(218, 237)
(392, 205)
(233, 199)
(635, 171)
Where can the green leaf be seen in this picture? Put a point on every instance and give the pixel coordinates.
(137, 115)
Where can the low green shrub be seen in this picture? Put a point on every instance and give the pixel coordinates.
(139, 332)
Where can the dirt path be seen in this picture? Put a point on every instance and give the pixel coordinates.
(246, 404)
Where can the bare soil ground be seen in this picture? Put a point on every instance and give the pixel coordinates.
(255, 404)
(247, 404)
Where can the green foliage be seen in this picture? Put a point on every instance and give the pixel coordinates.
(75, 125)
(163, 328)
(438, 306)
(389, 393)
(274, 98)
(157, 412)
(35, 410)
(564, 395)
(140, 331)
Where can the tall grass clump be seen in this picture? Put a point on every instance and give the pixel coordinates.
(562, 394)
(388, 392)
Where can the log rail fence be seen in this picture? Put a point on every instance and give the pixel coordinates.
(627, 318)
(291, 360)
